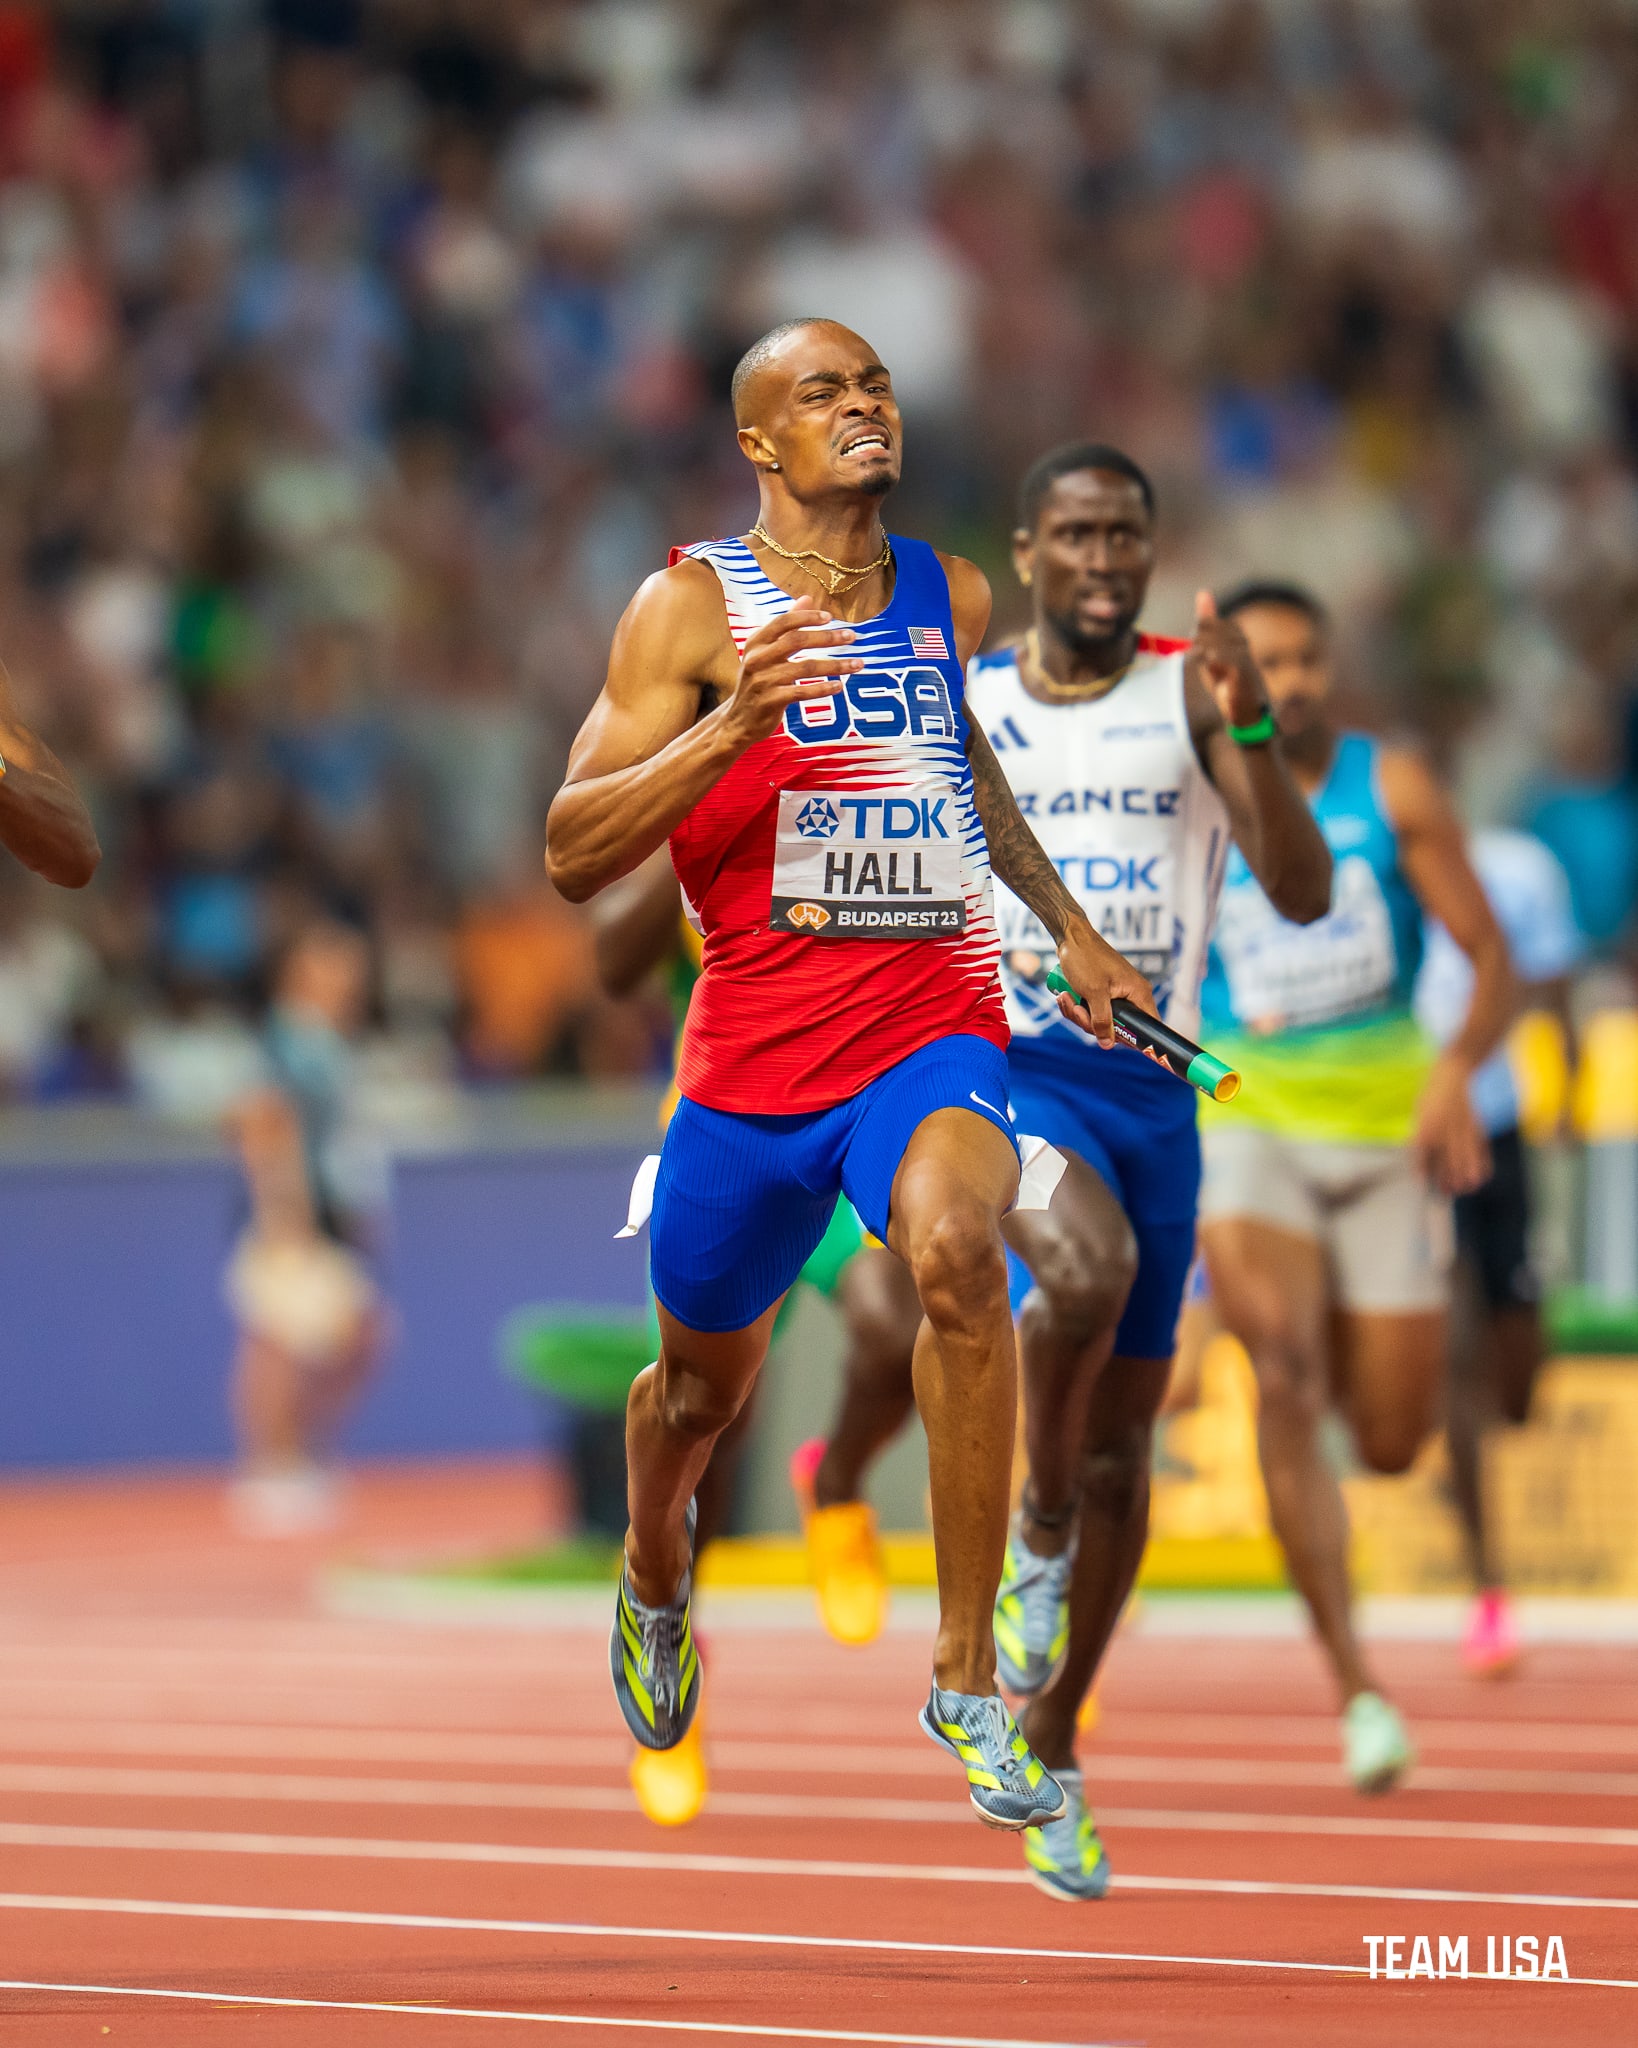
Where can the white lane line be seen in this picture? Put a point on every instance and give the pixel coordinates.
(317, 1789)
(521, 1660)
(1420, 1895)
(448, 1705)
(613, 2021)
(731, 1755)
(65, 1731)
(603, 1751)
(1433, 1732)
(1102, 1765)
(1405, 1828)
(577, 1691)
(295, 1788)
(597, 1931)
(201, 1841)
(312, 1744)
(98, 1662)
(456, 1707)
(581, 1930)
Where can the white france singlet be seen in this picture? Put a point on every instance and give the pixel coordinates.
(1115, 792)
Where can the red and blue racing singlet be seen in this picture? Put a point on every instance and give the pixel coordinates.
(838, 870)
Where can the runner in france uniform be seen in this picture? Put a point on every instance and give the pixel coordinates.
(1325, 1207)
(832, 816)
(1138, 762)
(1120, 798)
(1135, 761)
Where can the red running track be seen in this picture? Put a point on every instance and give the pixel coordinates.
(224, 1815)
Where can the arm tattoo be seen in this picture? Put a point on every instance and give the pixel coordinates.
(1016, 855)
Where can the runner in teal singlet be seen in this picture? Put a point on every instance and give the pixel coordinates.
(1325, 1206)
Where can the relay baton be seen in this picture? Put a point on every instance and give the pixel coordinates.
(1136, 1028)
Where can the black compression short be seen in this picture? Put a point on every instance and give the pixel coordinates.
(1493, 1229)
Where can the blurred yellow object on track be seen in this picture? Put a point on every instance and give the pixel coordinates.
(845, 1564)
(849, 1578)
(671, 1784)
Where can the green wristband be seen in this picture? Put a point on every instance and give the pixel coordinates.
(1256, 735)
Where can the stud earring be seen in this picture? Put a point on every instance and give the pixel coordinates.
(1025, 578)
(773, 466)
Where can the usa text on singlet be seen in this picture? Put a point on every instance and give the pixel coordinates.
(838, 870)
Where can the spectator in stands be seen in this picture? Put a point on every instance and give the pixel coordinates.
(347, 372)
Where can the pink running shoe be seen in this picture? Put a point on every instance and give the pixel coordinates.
(804, 1470)
(1490, 1648)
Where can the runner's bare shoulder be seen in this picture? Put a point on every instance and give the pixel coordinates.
(674, 633)
(1413, 797)
(969, 602)
(671, 662)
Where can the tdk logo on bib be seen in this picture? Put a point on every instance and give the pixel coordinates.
(1090, 873)
(857, 865)
(817, 819)
(877, 706)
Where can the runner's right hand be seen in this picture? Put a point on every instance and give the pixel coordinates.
(1450, 1141)
(776, 668)
(1098, 974)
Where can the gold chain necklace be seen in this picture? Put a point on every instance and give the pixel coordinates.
(1069, 693)
(843, 574)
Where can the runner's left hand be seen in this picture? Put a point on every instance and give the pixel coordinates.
(1221, 657)
(1453, 1150)
(1098, 974)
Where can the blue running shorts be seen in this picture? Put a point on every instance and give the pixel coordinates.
(1134, 1125)
(741, 1202)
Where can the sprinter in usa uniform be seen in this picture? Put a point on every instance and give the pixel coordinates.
(833, 817)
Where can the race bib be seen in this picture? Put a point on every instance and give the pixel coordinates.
(1128, 900)
(1282, 974)
(864, 864)
(1028, 952)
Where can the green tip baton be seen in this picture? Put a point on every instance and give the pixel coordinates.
(1136, 1028)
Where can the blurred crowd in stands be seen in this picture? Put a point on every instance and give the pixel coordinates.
(359, 357)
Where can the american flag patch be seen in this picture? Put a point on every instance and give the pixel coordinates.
(928, 642)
